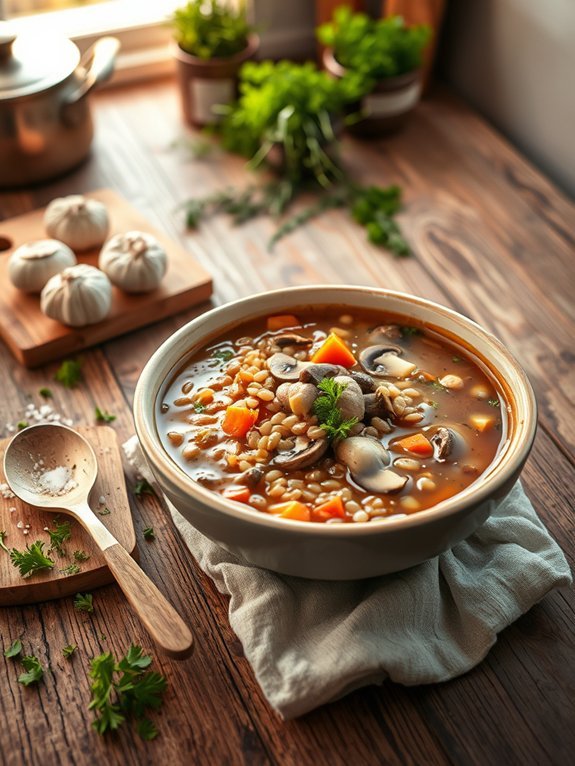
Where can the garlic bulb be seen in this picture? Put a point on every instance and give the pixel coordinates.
(135, 261)
(31, 265)
(78, 296)
(80, 222)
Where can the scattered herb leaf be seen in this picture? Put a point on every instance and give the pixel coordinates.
(143, 487)
(34, 671)
(436, 385)
(223, 354)
(328, 413)
(123, 689)
(105, 511)
(456, 359)
(69, 650)
(494, 402)
(199, 407)
(84, 602)
(46, 393)
(71, 569)
(32, 560)
(14, 649)
(408, 331)
(22, 424)
(69, 374)
(81, 556)
(103, 416)
(434, 404)
(58, 536)
(147, 730)
(149, 534)
(3, 536)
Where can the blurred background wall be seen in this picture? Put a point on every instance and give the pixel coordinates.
(514, 60)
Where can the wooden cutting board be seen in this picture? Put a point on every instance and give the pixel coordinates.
(52, 583)
(35, 339)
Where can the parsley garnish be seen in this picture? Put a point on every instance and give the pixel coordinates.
(105, 511)
(199, 407)
(32, 560)
(69, 650)
(81, 556)
(328, 413)
(456, 359)
(143, 487)
(103, 416)
(149, 534)
(45, 392)
(83, 602)
(69, 373)
(436, 385)
(21, 424)
(494, 402)
(407, 331)
(71, 569)
(58, 536)
(35, 671)
(147, 730)
(223, 354)
(14, 649)
(3, 536)
(123, 689)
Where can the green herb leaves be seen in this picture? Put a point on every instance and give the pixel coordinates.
(149, 534)
(34, 671)
(84, 602)
(124, 689)
(69, 374)
(103, 416)
(14, 649)
(58, 536)
(46, 393)
(211, 29)
(32, 560)
(143, 487)
(69, 650)
(328, 413)
(494, 403)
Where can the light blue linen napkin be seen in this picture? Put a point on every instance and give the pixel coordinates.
(310, 642)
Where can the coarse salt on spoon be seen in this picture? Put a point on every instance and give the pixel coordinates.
(53, 467)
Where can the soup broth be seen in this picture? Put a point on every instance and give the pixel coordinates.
(330, 417)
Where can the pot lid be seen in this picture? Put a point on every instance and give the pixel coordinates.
(33, 63)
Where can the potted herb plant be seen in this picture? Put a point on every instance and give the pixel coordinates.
(213, 41)
(387, 54)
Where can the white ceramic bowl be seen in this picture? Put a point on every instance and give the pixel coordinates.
(338, 551)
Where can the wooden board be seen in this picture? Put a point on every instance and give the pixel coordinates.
(50, 584)
(35, 339)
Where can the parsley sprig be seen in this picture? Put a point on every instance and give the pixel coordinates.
(84, 602)
(143, 487)
(69, 650)
(124, 689)
(328, 413)
(69, 374)
(103, 416)
(34, 671)
(14, 649)
(31, 560)
(58, 536)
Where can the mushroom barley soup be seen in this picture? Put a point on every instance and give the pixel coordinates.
(343, 418)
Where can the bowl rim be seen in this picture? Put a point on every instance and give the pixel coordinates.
(506, 463)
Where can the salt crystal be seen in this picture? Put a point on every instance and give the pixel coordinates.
(68, 422)
(25, 532)
(57, 481)
(30, 407)
(102, 500)
(6, 492)
(45, 410)
(10, 428)
(27, 526)
(20, 525)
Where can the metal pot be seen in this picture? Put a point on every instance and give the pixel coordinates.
(45, 121)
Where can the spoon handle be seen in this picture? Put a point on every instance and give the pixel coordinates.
(162, 621)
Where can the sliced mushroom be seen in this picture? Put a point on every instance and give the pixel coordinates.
(304, 454)
(384, 360)
(282, 394)
(364, 381)
(448, 443)
(301, 397)
(350, 402)
(367, 460)
(315, 373)
(284, 367)
(252, 476)
(376, 406)
(292, 339)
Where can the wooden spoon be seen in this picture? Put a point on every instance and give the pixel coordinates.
(61, 447)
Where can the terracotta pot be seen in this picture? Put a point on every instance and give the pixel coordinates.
(387, 107)
(205, 83)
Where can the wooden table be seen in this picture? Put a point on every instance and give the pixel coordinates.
(493, 239)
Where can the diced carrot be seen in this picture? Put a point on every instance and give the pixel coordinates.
(481, 422)
(238, 420)
(205, 396)
(417, 444)
(239, 494)
(427, 375)
(282, 320)
(331, 508)
(291, 510)
(334, 351)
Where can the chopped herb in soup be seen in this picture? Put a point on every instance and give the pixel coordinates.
(333, 418)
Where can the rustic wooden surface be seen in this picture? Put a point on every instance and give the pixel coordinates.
(36, 339)
(493, 239)
(52, 583)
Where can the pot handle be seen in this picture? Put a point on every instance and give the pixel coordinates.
(98, 65)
